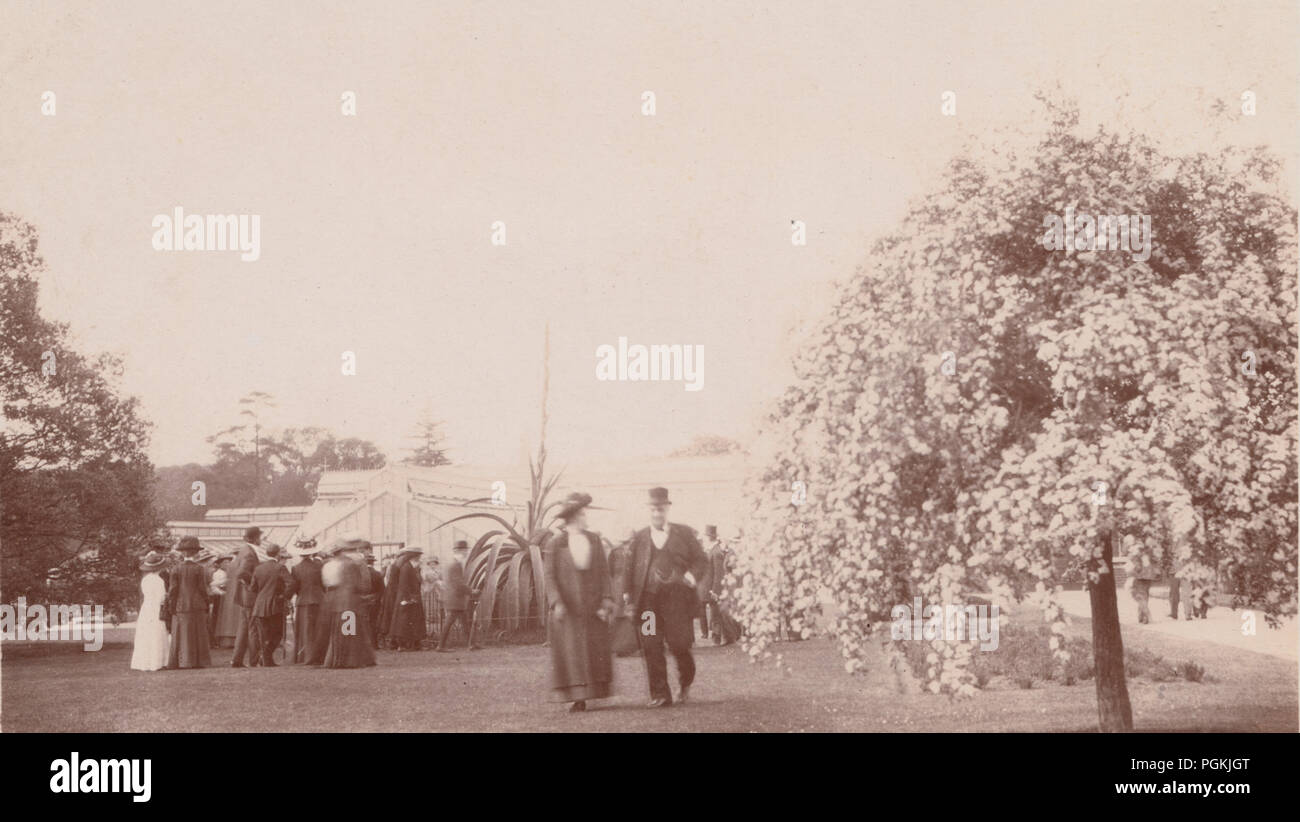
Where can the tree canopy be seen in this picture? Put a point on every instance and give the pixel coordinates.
(980, 410)
(74, 476)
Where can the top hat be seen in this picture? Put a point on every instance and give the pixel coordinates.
(189, 545)
(461, 545)
(711, 531)
(659, 496)
(251, 533)
(153, 561)
(572, 504)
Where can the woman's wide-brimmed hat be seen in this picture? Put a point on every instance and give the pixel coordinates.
(572, 504)
(411, 549)
(189, 545)
(305, 547)
(153, 561)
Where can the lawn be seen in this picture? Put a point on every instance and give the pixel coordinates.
(504, 688)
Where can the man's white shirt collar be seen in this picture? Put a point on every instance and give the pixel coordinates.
(659, 537)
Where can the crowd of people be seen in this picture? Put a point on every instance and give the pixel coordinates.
(644, 596)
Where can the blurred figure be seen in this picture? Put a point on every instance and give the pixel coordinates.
(709, 543)
(270, 581)
(407, 627)
(724, 629)
(216, 595)
(345, 637)
(455, 597)
(580, 596)
(1142, 574)
(187, 602)
(388, 601)
(150, 652)
(376, 596)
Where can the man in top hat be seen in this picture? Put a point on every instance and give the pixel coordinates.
(250, 555)
(710, 543)
(660, 588)
(455, 597)
(270, 581)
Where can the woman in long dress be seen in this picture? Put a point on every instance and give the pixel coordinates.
(406, 619)
(150, 652)
(187, 600)
(580, 597)
(344, 638)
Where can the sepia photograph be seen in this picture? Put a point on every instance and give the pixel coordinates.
(649, 367)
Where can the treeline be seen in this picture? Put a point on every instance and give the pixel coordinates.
(276, 469)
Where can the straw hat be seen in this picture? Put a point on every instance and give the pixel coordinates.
(153, 561)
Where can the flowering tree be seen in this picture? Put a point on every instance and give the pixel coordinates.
(987, 412)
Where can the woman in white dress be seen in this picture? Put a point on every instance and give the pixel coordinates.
(150, 652)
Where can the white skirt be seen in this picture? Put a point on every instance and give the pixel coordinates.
(150, 652)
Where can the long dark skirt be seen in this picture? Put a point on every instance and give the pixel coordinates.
(408, 625)
(306, 621)
(344, 643)
(581, 662)
(189, 642)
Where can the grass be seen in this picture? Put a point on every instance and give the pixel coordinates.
(504, 688)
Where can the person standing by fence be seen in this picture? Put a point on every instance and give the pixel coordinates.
(456, 597)
(376, 596)
(406, 629)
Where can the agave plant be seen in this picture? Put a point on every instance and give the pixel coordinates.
(504, 566)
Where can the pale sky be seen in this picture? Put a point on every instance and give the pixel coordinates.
(674, 228)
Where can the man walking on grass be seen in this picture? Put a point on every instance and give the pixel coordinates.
(665, 567)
